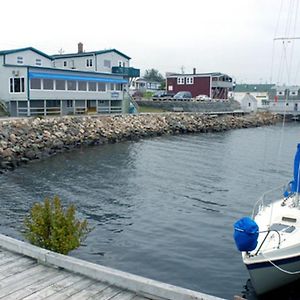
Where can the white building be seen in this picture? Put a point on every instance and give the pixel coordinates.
(34, 83)
(259, 91)
(249, 103)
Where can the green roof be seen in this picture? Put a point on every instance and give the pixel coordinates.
(253, 88)
(4, 52)
(70, 55)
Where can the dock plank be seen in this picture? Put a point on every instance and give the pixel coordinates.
(107, 293)
(124, 295)
(15, 267)
(52, 289)
(31, 288)
(73, 289)
(91, 291)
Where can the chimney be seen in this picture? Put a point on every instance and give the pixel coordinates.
(80, 47)
(194, 71)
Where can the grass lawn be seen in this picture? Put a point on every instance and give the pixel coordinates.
(148, 109)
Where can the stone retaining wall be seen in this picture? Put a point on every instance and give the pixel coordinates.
(23, 140)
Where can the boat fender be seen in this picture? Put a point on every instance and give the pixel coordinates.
(245, 234)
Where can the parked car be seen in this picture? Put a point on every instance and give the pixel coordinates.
(162, 95)
(183, 96)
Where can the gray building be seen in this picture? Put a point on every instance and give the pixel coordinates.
(34, 83)
(285, 99)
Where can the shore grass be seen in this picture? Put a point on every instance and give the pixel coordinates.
(148, 109)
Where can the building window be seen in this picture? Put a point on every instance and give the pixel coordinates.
(101, 87)
(287, 104)
(60, 85)
(170, 88)
(38, 62)
(280, 93)
(16, 85)
(92, 86)
(112, 86)
(35, 84)
(120, 63)
(69, 103)
(89, 62)
(118, 87)
(65, 63)
(180, 80)
(19, 60)
(48, 84)
(82, 85)
(107, 63)
(53, 103)
(294, 93)
(190, 80)
(71, 85)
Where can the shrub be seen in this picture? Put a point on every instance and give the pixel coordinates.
(51, 227)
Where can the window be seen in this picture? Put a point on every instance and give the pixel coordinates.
(53, 103)
(38, 62)
(71, 85)
(65, 63)
(120, 63)
(101, 87)
(48, 84)
(19, 60)
(16, 85)
(170, 88)
(280, 93)
(294, 93)
(118, 87)
(82, 85)
(107, 63)
(112, 86)
(35, 84)
(89, 62)
(190, 80)
(180, 80)
(287, 104)
(69, 103)
(124, 65)
(60, 85)
(92, 86)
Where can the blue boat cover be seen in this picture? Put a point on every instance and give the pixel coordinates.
(246, 234)
(294, 185)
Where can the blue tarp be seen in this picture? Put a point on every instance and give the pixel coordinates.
(246, 234)
(294, 185)
(39, 75)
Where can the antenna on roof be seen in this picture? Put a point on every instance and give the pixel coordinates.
(61, 51)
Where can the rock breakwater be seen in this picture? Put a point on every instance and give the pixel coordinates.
(24, 140)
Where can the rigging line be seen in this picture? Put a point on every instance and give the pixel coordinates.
(280, 65)
(288, 73)
(289, 18)
(275, 34)
(293, 34)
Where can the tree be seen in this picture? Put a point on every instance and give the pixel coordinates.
(153, 75)
(51, 227)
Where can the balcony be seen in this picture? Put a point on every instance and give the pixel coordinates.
(127, 72)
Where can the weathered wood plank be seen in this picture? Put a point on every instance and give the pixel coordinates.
(53, 276)
(54, 288)
(107, 293)
(21, 276)
(66, 293)
(124, 295)
(15, 267)
(91, 291)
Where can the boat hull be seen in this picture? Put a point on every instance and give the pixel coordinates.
(266, 277)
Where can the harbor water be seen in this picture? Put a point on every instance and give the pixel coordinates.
(164, 207)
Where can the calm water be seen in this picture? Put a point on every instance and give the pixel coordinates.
(163, 208)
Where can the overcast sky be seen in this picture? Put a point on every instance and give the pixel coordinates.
(232, 36)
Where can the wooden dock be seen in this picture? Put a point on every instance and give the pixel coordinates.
(28, 272)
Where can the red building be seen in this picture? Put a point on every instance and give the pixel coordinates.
(213, 85)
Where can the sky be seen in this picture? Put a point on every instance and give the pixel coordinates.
(233, 36)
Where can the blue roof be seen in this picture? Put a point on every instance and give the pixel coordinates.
(41, 75)
(4, 52)
(69, 55)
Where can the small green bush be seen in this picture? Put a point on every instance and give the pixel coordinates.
(51, 227)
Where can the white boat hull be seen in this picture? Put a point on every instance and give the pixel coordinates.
(266, 277)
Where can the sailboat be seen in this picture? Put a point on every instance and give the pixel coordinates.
(270, 240)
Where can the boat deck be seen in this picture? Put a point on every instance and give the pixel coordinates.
(29, 272)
